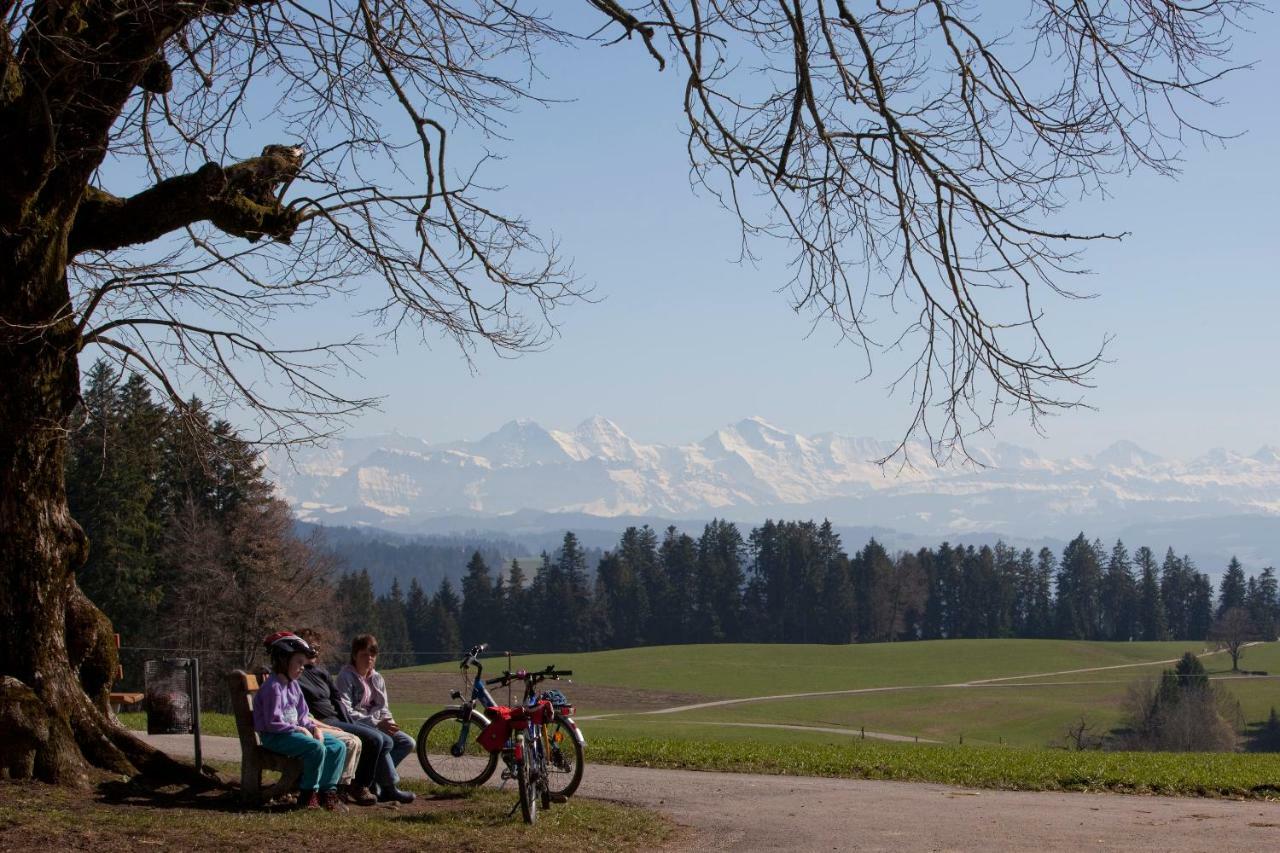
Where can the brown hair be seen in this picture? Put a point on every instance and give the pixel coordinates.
(362, 643)
(311, 637)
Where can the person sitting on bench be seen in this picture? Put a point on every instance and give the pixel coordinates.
(284, 725)
(326, 705)
(364, 696)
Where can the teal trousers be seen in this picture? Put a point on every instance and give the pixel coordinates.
(321, 761)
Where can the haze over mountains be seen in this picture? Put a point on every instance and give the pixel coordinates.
(1223, 502)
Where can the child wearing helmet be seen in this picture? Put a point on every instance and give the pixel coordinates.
(284, 725)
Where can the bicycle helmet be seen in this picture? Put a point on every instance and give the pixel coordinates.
(282, 645)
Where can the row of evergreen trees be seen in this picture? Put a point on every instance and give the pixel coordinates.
(190, 552)
(793, 582)
(184, 524)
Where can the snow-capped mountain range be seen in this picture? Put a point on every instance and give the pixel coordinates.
(752, 470)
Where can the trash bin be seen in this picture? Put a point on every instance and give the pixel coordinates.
(170, 696)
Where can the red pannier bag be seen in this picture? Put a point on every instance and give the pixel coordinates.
(495, 735)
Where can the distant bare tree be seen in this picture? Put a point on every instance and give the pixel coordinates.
(912, 157)
(1232, 631)
(1081, 735)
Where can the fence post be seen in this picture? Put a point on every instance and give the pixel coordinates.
(195, 710)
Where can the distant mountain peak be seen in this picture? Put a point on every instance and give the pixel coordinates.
(1268, 454)
(757, 422)
(752, 468)
(1125, 454)
(599, 424)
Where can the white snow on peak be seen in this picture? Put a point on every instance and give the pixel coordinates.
(597, 468)
(1125, 454)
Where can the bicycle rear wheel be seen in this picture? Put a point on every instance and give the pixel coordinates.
(540, 766)
(449, 760)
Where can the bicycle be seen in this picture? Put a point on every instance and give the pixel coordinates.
(453, 755)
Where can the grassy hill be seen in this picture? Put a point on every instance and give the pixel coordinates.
(940, 690)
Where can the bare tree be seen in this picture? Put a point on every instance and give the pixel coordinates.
(1232, 631)
(913, 157)
(1080, 735)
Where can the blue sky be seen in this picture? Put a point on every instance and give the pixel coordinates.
(682, 340)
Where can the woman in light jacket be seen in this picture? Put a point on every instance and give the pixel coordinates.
(363, 694)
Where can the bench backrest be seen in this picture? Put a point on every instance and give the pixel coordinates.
(243, 686)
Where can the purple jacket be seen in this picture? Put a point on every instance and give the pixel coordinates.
(279, 706)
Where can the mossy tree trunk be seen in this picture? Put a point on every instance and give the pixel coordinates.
(62, 87)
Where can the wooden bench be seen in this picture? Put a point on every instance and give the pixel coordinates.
(123, 701)
(254, 758)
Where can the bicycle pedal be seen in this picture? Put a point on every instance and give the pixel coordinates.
(559, 798)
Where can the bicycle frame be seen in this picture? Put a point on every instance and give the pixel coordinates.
(479, 693)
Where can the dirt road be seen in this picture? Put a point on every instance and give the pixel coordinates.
(730, 811)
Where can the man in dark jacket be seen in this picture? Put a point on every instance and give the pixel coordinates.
(321, 694)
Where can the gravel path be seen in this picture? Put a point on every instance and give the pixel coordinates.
(731, 811)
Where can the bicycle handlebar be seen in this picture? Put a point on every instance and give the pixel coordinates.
(471, 656)
(521, 675)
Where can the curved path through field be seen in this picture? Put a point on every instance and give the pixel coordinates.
(981, 682)
(732, 811)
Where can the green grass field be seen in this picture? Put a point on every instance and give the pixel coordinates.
(996, 696)
(735, 670)
(921, 695)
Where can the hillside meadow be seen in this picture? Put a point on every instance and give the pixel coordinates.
(987, 713)
(998, 692)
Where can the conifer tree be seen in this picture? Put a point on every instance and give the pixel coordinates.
(1199, 604)
(1264, 604)
(516, 618)
(618, 591)
(359, 606)
(1231, 592)
(638, 548)
(568, 605)
(1119, 596)
(395, 646)
(767, 590)
(1079, 581)
(624, 582)
(479, 610)
(417, 615)
(721, 554)
(1151, 607)
(678, 555)
(1175, 589)
(837, 607)
(112, 470)
(442, 622)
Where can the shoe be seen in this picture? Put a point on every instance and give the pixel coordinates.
(360, 795)
(395, 795)
(308, 800)
(329, 800)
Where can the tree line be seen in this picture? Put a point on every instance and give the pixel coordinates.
(191, 550)
(794, 582)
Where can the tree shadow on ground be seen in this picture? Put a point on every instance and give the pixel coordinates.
(223, 796)
(135, 792)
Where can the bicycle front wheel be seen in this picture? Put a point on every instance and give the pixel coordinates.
(524, 780)
(564, 759)
(447, 757)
